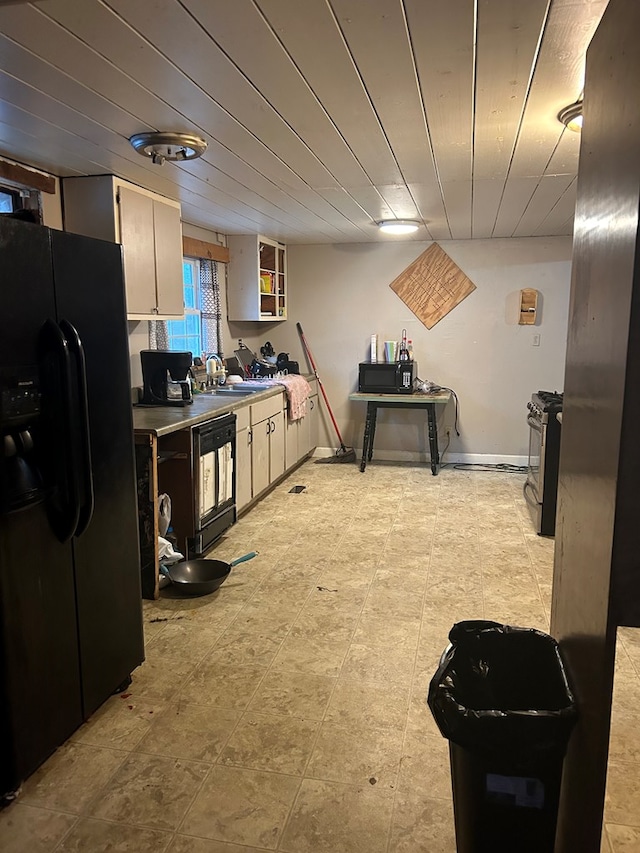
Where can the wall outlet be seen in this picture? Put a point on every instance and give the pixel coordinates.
(535, 340)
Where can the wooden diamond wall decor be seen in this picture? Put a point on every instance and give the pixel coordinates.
(432, 285)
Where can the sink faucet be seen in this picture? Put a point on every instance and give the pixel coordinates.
(216, 372)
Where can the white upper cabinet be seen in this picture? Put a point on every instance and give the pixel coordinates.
(149, 229)
(257, 279)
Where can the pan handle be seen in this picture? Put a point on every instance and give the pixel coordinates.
(244, 558)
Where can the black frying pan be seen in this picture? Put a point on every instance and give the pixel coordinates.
(199, 577)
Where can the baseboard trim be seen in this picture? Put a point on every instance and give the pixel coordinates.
(424, 459)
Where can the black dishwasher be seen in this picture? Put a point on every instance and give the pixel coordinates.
(214, 451)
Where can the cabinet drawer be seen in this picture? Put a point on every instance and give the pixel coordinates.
(263, 409)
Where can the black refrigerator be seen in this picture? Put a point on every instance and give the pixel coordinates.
(70, 602)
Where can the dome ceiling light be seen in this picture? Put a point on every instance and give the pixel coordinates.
(571, 116)
(161, 146)
(398, 226)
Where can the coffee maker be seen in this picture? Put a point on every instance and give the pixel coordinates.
(165, 377)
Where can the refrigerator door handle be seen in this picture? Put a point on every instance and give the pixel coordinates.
(85, 473)
(64, 520)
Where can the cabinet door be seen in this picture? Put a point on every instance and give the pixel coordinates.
(168, 259)
(243, 468)
(314, 421)
(276, 446)
(260, 456)
(291, 452)
(256, 279)
(137, 238)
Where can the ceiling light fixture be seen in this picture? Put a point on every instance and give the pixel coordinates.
(571, 116)
(161, 146)
(398, 226)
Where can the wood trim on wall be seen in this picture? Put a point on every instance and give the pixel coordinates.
(27, 177)
(193, 248)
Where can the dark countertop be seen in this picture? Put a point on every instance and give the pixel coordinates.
(161, 420)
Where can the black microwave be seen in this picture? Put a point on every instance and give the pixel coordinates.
(386, 377)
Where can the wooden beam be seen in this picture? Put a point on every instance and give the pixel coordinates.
(193, 248)
(26, 177)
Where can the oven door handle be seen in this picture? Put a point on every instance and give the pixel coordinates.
(534, 424)
(528, 487)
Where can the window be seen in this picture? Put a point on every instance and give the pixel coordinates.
(200, 331)
(186, 334)
(9, 200)
(23, 202)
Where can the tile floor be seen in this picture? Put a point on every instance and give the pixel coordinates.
(287, 711)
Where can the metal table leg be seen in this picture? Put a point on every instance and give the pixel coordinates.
(433, 438)
(368, 435)
(372, 435)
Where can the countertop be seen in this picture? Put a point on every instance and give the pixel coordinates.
(162, 420)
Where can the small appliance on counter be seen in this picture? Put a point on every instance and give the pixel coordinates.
(382, 377)
(268, 353)
(283, 362)
(165, 378)
(253, 366)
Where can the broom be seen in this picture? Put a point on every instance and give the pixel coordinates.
(342, 454)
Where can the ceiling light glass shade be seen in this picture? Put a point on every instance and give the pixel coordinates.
(398, 226)
(160, 146)
(571, 116)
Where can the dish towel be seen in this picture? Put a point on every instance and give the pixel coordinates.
(297, 390)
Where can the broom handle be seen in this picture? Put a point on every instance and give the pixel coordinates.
(324, 393)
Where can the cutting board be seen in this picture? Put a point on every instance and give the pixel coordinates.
(432, 285)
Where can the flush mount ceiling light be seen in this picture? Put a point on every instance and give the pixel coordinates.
(398, 226)
(160, 146)
(571, 116)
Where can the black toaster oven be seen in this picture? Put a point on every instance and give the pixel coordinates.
(386, 377)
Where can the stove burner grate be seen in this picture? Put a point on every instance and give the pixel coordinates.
(551, 400)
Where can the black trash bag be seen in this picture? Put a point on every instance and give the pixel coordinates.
(501, 690)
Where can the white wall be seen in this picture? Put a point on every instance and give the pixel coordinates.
(341, 295)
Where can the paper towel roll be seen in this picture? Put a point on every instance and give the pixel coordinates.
(374, 348)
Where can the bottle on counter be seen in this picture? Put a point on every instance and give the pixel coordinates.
(410, 349)
(403, 352)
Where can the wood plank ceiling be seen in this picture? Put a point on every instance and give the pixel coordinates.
(321, 116)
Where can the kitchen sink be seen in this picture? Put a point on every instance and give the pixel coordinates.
(238, 392)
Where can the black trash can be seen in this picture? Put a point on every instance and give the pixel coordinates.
(502, 699)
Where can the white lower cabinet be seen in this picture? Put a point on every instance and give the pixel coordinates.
(314, 421)
(267, 442)
(302, 435)
(276, 447)
(243, 459)
(292, 430)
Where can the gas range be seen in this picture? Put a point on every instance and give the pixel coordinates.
(544, 454)
(545, 403)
